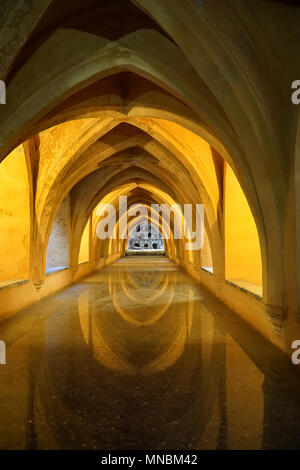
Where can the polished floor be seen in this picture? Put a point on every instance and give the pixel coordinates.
(137, 356)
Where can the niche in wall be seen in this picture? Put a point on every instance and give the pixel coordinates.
(84, 252)
(58, 245)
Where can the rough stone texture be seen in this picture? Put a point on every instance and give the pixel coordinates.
(17, 20)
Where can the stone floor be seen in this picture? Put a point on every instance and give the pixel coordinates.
(137, 356)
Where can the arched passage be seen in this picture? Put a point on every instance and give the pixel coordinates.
(99, 107)
(177, 103)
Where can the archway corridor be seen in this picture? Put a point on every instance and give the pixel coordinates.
(128, 328)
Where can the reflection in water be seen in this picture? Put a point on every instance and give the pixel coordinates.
(137, 356)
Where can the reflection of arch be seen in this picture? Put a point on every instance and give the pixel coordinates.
(161, 296)
(171, 354)
(165, 299)
(131, 282)
(112, 359)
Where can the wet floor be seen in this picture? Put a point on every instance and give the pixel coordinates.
(137, 356)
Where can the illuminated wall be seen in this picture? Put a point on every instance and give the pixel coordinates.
(242, 248)
(84, 254)
(14, 217)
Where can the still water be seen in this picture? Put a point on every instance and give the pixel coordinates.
(137, 356)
